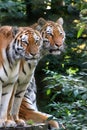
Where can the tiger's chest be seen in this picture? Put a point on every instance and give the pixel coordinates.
(27, 71)
(9, 74)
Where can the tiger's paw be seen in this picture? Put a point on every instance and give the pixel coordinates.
(2, 123)
(10, 123)
(20, 122)
(53, 124)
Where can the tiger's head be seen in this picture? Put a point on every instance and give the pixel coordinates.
(53, 35)
(26, 44)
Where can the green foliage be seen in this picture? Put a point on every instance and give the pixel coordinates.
(39, 4)
(67, 83)
(30, 122)
(68, 99)
(82, 29)
(66, 79)
(11, 9)
(82, 25)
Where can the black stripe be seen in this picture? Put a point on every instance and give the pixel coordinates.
(20, 36)
(29, 90)
(1, 80)
(14, 44)
(26, 42)
(7, 85)
(29, 99)
(16, 52)
(8, 58)
(29, 65)
(5, 71)
(26, 108)
(26, 96)
(18, 81)
(18, 42)
(24, 71)
(17, 95)
(27, 102)
(3, 94)
(7, 54)
(34, 101)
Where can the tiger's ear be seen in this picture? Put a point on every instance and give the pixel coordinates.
(41, 21)
(15, 30)
(60, 21)
(6, 30)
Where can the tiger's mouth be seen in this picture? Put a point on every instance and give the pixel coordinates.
(32, 58)
(51, 50)
(55, 51)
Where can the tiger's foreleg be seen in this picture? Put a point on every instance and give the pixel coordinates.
(25, 77)
(1, 121)
(6, 95)
(9, 114)
(17, 102)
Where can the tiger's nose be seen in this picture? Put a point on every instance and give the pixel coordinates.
(58, 44)
(33, 54)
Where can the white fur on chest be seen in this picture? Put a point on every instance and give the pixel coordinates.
(28, 71)
(8, 73)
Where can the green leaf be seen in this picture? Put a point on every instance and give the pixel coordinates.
(48, 91)
(76, 92)
(80, 31)
(30, 122)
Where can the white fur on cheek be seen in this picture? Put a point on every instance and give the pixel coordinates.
(49, 30)
(24, 38)
(37, 38)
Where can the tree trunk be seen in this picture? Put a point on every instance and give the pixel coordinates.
(55, 5)
(28, 8)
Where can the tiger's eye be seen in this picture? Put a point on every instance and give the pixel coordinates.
(61, 33)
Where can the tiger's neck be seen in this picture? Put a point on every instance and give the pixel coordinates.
(12, 55)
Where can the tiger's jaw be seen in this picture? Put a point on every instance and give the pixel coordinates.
(56, 50)
(54, 45)
(49, 49)
(31, 57)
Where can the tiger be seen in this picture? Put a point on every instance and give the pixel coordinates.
(17, 52)
(53, 36)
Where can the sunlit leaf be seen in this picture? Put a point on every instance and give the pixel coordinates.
(80, 31)
(48, 91)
